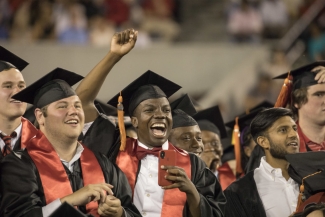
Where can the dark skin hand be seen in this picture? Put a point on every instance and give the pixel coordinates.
(181, 181)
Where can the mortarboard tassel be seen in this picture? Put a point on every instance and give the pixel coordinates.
(236, 143)
(285, 92)
(120, 116)
(302, 189)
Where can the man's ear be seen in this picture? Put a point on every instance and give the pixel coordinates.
(263, 141)
(39, 116)
(134, 122)
(296, 105)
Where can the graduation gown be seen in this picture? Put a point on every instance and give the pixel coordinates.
(28, 131)
(243, 199)
(23, 193)
(102, 137)
(206, 183)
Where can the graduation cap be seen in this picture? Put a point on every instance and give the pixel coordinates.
(148, 86)
(295, 79)
(211, 120)
(244, 120)
(52, 87)
(105, 108)
(182, 109)
(308, 169)
(11, 58)
(66, 210)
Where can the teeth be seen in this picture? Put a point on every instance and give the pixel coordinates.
(72, 122)
(159, 125)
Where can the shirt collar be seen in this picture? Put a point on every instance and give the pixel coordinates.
(17, 130)
(164, 146)
(272, 172)
(76, 156)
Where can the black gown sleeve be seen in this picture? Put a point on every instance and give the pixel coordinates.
(122, 190)
(19, 187)
(208, 186)
(243, 199)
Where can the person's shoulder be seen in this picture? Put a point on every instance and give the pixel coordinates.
(243, 183)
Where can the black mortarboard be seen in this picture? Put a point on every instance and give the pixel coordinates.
(185, 104)
(211, 120)
(66, 210)
(52, 87)
(148, 86)
(303, 76)
(244, 120)
(105, 108)
(182, 109)
(305, 164)
(11, 58)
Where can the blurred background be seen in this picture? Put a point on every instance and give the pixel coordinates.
(221, 52)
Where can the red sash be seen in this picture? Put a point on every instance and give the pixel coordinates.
(28, 131)
(316, 198)
(174, 200)
(54, 178)
(226, 175)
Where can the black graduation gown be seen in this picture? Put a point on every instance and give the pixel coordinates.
(102, 137)
(212, 198)
(243, 199)
(23, 194)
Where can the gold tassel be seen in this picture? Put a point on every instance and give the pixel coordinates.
(236, 143)
(284, 95)
(120, 116)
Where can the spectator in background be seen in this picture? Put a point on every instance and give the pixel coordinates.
(117, 12)
(275, 18)
(70, 22)
(316, 43)
(245, 23)
(5, 15)
(100, 31)
(158, 19)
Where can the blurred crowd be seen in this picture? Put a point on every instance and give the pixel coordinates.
(87, 21)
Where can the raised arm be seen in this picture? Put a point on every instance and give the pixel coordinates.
(121, 44)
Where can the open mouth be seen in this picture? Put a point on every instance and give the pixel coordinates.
(72, 122)
(293, 144)
(15, 101)
(158, 130)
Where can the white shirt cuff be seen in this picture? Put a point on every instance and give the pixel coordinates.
(51, 207)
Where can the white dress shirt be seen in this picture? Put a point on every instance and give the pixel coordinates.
(278, 195)
(148, 195)
(51, 207)
(13, 140)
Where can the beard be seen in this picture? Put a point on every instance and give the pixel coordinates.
(277, 150)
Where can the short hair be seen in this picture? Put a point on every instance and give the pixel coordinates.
(299, 97)
(6, 66)
(44, 111)
(265, 119)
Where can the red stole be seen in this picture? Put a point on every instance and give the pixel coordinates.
(28, 131)
(226, 176)
(174, 200)
(316, 198)
(54, 178)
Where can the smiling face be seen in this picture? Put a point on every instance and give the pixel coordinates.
(314, 109)
(63, 119)
(188, 139)
(153, 120)
(11, 82)
(212, 147)
(281, 138)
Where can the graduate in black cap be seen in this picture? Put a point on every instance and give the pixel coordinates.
(186, 133)
(15, 130)
(213, 130)
(195, 190)
(268, 190)
(304, 91)
(248, 146)
(100, 134)
(55, 168)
